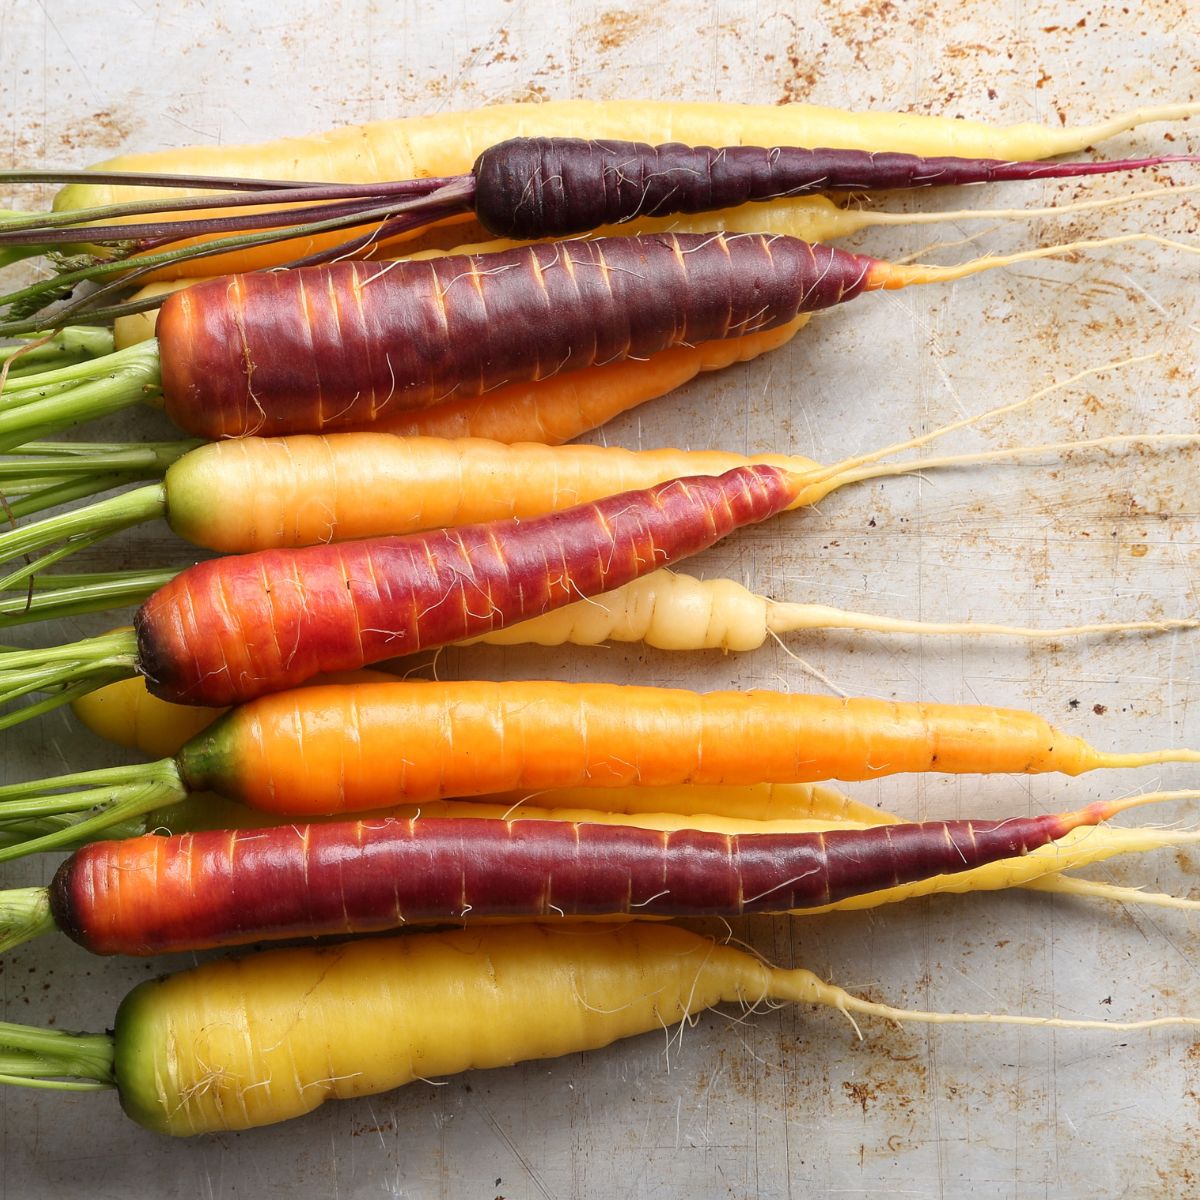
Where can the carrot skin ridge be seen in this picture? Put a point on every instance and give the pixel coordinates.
(153, 895)
(311, 350)
(528, 188)
(232, 628)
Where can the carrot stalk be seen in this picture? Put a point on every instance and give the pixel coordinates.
(250, 1041)
(291, 753)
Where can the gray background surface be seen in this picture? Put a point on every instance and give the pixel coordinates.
(789, 1102)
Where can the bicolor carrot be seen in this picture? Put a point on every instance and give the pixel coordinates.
(333, 749)
(781, 810)
(154, 895)
(231, 628)
(234, 1044)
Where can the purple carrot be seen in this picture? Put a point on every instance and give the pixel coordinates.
(345, 345)
(553, 187)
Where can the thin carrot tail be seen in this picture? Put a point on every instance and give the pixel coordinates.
(786, 617)
(1093, 889)
(803, 987)
(1148, 758)
(889, 276)
(1104, 810)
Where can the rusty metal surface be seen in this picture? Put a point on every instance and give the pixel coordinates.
(787, 1102)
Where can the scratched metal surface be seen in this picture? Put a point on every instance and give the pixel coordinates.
(787, 1102)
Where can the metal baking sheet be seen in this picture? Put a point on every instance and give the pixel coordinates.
(789, 1101)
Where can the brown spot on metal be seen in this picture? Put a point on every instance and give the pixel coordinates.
(860, 1093)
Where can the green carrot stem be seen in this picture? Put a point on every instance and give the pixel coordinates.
(108, 807)
(23, 576)
(65, 671)
(95, 520)
(100, 777)
(24, 915)
(60, 583)
(134, 378)
(56, 596)
(86, 371)
(55, 459)
(73, 343)
(34, 1057)
(35, 499)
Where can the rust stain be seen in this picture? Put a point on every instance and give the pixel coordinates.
(864, 28)
(615, 27)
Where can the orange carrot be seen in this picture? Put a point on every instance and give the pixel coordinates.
(335, 749)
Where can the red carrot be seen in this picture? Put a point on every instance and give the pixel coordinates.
(150, 895)
(232, 628)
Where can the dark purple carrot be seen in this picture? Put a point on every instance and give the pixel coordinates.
(527, 188)
(553, 187)
(280, 352)
(346, 345)
(152, 894)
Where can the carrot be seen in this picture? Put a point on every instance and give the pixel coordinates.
(666, 609)
(673, 611)
(524, 188)
(333, 749)
(334, 347)
(154, 895)
(231, 628)
(805, 809)
(447, 144)
(239, 1043)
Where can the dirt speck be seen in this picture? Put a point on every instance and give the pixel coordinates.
(860, 1093)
